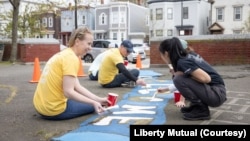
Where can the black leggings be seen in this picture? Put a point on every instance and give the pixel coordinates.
(195, 91)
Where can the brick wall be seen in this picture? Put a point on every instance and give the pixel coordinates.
(29, 49)
(219, 50)
(28, 52)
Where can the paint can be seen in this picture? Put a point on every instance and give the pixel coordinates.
(112, 97)
(177, 96)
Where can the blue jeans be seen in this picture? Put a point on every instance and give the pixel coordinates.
(121, 78)
(74, 109)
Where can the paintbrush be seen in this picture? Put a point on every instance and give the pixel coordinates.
(146, 87)
(154, 94)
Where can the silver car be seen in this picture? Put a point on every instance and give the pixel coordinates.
(98, 47)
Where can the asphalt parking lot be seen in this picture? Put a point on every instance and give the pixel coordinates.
(19, 121)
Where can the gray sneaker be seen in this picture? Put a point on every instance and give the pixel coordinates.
(130, 84)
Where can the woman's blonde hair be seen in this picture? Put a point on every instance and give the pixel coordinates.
(78, 33)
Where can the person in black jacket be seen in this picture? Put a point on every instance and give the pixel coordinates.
(195, 78)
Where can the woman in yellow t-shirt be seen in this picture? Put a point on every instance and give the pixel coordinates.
(59, 94)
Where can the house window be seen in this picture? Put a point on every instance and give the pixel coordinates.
(103, 19)
(220, 14)
(50, 22)
(152, 33)
(237, 31)
(114, 36)
(122, 36)
(159, 33)
(147, 20)
(170, 32)
(115, 17)
(67, 20)
(151, 14)
(170, 13)
(185, 12)
(158, 13)
(123, 17)
(45, 22)
(237, 13)
(84, 20)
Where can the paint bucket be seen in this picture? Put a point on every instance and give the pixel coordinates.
(177, 96)
(112, 97)
(126, 62)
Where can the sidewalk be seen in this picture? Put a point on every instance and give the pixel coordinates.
(19, 120)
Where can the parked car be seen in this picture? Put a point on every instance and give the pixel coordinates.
(132, 57)
(144, 45)
(98, 47)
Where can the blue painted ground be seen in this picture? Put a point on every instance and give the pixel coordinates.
(149, 73)
(135, 108)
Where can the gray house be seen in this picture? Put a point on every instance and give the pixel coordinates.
(122, 20)
(85, 17)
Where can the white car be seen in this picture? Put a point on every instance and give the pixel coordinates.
(144, 45)
(132, 57)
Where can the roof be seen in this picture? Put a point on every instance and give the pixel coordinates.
(39, 41)
(156, 1)
(216, 26)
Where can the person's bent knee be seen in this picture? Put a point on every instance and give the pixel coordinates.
(135, 72)
(178, 79)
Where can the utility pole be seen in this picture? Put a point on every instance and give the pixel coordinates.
(75, 14)
(181, 13)
(181, 30)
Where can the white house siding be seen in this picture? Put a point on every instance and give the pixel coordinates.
(198, 13)
(203, 15)
(138, 17)
(198, 16)
(229, 24)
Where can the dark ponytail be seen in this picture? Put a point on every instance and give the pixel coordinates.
(175, 50)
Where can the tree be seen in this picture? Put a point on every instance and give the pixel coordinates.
(247, 25)
(29, 20)
(7, 28)
(15, 4)
(27, 23)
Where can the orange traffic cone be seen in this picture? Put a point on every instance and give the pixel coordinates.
(138, 62)
(36, 71)
(81, 70)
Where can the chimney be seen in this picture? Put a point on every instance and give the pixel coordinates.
(70, 6)
(139, 2)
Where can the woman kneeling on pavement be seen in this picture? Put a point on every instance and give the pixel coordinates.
(59, 94)
(194, 78)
